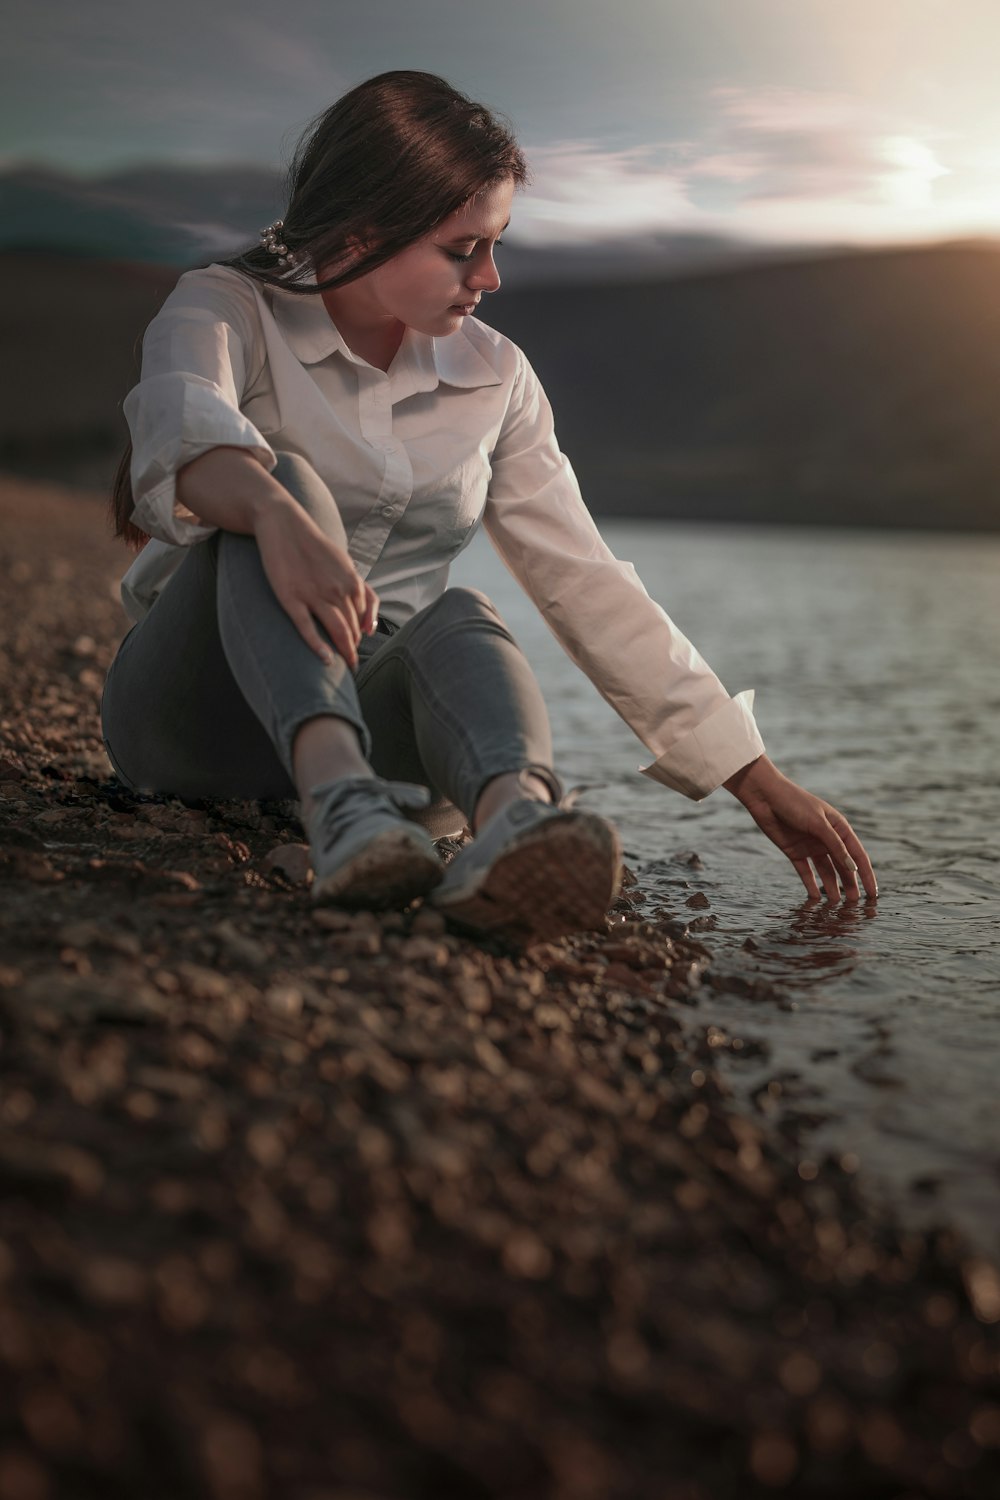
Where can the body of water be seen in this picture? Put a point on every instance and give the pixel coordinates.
(874, 656)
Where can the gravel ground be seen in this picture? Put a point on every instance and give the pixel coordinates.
(320, 1206)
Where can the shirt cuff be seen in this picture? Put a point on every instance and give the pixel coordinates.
(174, 419)
(161, 514)
(704, 758)
(159, 511)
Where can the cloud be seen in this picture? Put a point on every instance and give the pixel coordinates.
(583, 190)
(789, 143)
(782, 110)
(771, 163)
(274, 53)
(912, 170)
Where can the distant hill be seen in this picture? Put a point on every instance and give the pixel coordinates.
(158, 214)
(181, 216)
(70, 331)
(858, 389)
(855, 389)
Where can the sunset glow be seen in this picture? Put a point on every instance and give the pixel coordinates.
(751, 119)
(775, 165)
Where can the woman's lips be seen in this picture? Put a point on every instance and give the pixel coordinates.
(464, 307)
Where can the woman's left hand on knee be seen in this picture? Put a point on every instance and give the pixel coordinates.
(315, 581)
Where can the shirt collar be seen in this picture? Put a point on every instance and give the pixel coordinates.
(312, 336)
(460, 363)
(307, 327)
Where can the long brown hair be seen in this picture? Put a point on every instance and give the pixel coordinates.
(378, 170)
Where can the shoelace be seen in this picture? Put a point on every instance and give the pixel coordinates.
(562, 800)
(570, 798)
(355, 797)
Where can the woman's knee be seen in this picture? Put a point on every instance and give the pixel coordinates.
(459, 614)
(462, 604)
(297, 475)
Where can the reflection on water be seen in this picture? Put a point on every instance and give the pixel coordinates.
(874, 660)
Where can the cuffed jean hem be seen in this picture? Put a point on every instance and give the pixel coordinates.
(289, 724)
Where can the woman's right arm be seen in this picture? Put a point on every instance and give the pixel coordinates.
(313, 577)
(199, 464)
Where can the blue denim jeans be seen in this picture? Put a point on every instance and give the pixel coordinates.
(207, 692)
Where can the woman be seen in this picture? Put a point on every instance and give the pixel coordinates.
(320, 426)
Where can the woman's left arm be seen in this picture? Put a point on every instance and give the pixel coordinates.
(639, 660)
(817, 839)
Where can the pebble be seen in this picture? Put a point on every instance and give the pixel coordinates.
(112, 1281)
(241, 948)
(284, 999)
(293, 861)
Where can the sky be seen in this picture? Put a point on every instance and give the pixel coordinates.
(866, 121)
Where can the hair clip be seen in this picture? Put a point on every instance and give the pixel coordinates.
(271, 239)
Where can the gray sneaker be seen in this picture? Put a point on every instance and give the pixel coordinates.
(534, 872)
(365, 851)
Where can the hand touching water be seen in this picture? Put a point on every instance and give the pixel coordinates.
(815, 837)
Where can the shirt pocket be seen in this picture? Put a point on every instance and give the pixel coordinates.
(453, 503)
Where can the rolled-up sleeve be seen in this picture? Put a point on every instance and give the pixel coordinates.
(601, 614)
(197, 358)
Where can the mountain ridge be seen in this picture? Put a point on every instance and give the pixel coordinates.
(855, 389)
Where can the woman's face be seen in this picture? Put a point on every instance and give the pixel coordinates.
(439, 280)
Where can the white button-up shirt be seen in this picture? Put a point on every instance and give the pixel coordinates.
(456, 433)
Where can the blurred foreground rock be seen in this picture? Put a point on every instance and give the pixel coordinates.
(322, 1206)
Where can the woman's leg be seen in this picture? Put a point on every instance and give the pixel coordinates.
(451, 702)
(216, 694)
(207, 693)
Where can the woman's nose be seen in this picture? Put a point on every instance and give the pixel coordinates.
(485, 277)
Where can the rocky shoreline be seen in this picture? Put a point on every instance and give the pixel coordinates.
(344, 1207)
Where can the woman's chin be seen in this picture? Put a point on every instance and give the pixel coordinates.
(441, 324)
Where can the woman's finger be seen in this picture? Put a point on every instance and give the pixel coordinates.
(370, 615)
(827, 873)
(359, 597)
(350, 615)
(306, 626)
(342, 632)
(849, 880)
(338, 607)
(855, 860)
(804, 870)
(844, 863)
(825, 832)
(856, 848)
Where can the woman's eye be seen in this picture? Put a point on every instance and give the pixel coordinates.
(464, 258)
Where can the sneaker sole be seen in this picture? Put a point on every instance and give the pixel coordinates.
(560, 877)
(393, 870)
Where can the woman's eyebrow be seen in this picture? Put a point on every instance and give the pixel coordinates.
(465, 239)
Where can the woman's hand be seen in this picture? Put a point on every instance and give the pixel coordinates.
(315, 581)
(817, 839)
(313, 577)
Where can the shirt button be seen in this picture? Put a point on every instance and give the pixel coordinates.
(385, 510)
